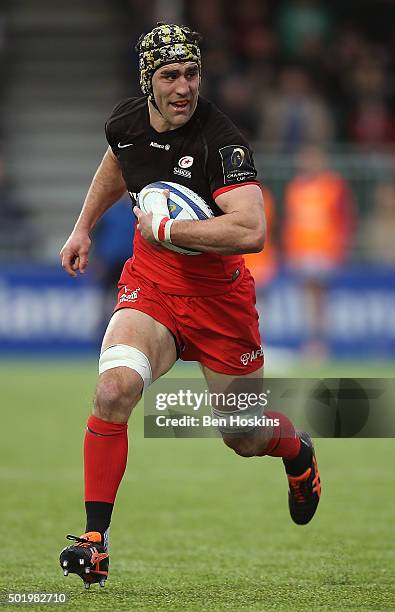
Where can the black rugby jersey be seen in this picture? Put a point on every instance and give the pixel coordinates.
(210, 156)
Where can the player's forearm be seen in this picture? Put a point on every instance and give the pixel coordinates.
(100, 197)
(107, 187)
(229, 234)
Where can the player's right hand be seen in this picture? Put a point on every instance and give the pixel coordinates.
(74, 254)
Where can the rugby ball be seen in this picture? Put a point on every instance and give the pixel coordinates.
(183, 204)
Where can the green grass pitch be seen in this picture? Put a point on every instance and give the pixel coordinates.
(195, 528)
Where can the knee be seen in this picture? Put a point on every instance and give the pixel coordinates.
(116, 395)
(243, 446)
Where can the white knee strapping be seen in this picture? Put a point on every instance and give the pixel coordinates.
(128, 357)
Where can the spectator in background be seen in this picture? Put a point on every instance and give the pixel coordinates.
(218, 64)
(236, 92)
(377, 238)
(304, 28)
(253, 38)
(373, 124)
(346, 50)
(324, 70)
(211, 20)
(215, 45)
(240, 48)
(295, 114)
(318, 228)
(371, 120)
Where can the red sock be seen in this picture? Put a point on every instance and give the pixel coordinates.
(285, 442)
(105, 457)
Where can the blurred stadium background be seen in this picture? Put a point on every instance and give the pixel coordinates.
(312, 86)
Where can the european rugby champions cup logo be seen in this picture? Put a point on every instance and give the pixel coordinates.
(237, 164)
(237, 157)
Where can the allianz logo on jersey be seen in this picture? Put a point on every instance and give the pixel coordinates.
(185, 162)
(156, 145)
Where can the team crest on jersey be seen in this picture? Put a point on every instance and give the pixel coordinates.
(237, 164)
(186, 161)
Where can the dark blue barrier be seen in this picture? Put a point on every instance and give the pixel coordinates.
(43, 310)
(360, 312)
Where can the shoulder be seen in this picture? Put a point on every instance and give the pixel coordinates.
(127, 107)
(218, 128)
(126, 113)
(229, 156)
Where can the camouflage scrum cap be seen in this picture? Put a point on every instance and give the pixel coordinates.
(167, 43)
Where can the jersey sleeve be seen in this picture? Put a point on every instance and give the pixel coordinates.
(230, 161)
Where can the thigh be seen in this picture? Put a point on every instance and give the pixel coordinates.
(222, 332)
(138, 329)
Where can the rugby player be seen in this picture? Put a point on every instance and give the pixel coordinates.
(172, 305)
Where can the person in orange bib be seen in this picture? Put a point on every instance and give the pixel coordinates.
(318, 227)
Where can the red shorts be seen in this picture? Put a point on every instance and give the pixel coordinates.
(220, 332)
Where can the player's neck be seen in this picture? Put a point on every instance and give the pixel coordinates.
(157, 121)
